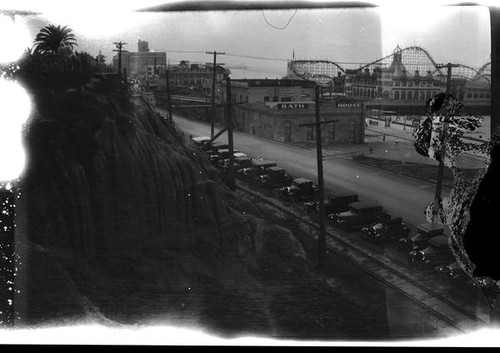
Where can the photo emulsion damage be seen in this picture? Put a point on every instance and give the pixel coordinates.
(290, 172)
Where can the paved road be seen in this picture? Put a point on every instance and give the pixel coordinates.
(400, 195)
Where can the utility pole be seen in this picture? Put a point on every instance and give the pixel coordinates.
(230, 169)
(321, 186)
(120, 50)
(169, 100)
(442, 137)
(212, 113)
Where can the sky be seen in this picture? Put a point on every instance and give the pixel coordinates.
(349, 36)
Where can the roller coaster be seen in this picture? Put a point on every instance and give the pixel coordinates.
(414, 58)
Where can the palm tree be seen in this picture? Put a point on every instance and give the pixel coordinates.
(53, 39)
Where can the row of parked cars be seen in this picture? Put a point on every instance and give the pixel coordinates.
(428, 246)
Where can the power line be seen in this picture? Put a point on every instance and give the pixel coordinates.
(265, 58)
(186, 51)
(256, 57)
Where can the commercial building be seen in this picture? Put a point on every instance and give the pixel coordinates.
(393, 82)
(196, 78)
(395, 88)
(276, 109)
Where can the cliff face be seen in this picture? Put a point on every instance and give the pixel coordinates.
(106, 173)
(116, 197)
(121, 221)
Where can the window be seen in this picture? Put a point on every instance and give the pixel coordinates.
(396, 95)
(286, 99)
(266, 99)
(403, 95)
(410, 95)
(352, 131)
(331, 132)
(310, 133)
(275, 98)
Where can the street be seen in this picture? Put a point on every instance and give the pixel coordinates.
(400, 195)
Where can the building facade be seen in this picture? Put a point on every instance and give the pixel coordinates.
(276, 109)
(398, 88)
(393, 82)
(195, 78)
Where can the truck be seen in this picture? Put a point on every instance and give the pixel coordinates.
(358, 215)
(257, 168)
(425, 231)
(437, 252)
(275, 177)
(384, 231)
(302, 189)
(334, 203)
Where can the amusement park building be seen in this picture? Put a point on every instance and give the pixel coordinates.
(276, 109)
(407, 92)
(402, 81)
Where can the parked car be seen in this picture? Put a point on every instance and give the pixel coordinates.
(452, 270)
(223, 161)
(224, 153)
(200, 140)
(214, 158)
(275, 177)
(333, 203)
(382, 232)
(258, 167)
(425, 231)
(301, 189)
(437, 252)
(358, 215)
(242, 162)
(214, 146)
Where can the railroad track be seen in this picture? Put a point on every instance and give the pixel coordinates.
(381, 267)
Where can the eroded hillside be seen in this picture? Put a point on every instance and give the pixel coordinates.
(121, 221)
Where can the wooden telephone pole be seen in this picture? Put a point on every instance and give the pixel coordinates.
(442, 137)
(321, 185)
(169, 98)
(120, 50)
(212, 113)
(231, 175)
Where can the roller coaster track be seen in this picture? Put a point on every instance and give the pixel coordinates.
(393, 275)
(320, 71)
(413, 58)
